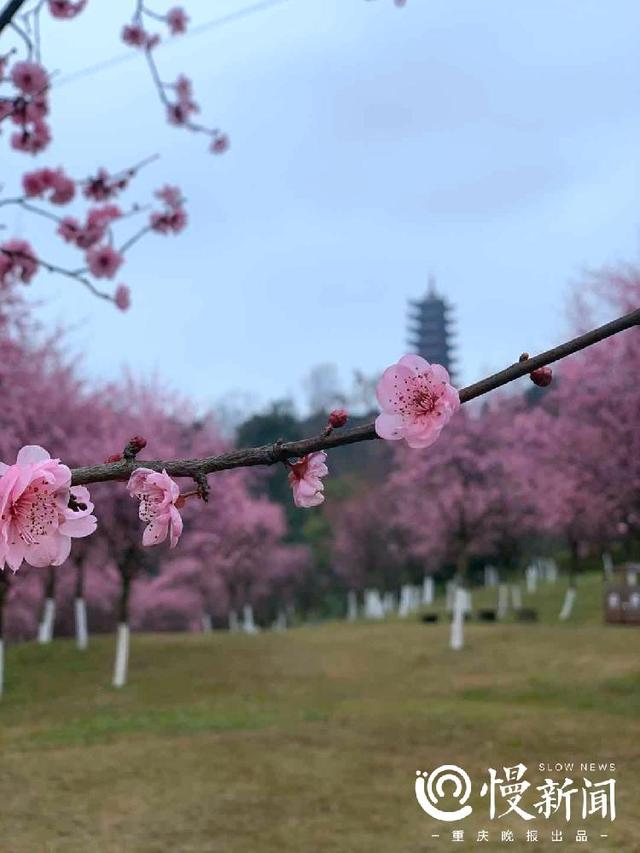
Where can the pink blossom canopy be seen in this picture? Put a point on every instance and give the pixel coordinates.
(158, 495)
(305, 479)
(417, 401)
(39, 512)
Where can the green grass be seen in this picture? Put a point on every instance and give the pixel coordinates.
(309, 740)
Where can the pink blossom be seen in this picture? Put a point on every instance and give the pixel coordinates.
(66, 9)
(338, 418)
(18, 262)
(32, 141)
(104, 261)
(29, 77)
(102, 217)
(158, 495)
(417, 401)
(63, 188)
(170, 195)
(219, 144)
(69, 228)
(122, 297)
(305, 479)
(134, 35)
(177, 20)
(36, 183)
(39, 511)
(104, 186)
(183, 87)
(166, 222)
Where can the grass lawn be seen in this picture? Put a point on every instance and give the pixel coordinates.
(310, 740)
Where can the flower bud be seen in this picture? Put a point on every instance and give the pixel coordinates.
(115, 457)
(541, 376)
(338, 418)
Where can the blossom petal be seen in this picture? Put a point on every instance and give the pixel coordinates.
(390, 426)
(31, 454)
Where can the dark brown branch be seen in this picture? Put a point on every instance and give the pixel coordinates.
(269, 454)
(9, 12)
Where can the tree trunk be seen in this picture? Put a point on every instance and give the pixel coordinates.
(4, 595)
(460, 603)
(570, 595)
(47, 619)
(121, 665)
(82, 636)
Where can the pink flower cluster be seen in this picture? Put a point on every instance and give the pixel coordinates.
(159, 498)
(66, 9)
(173, 218)
(86, 235)
(417, 401)
(60, 187)
(103, 186)
(135, 35)
(104, 261)
(39, 511)
(18, 262)
(28, 107)
(177, 20)
(180, 111)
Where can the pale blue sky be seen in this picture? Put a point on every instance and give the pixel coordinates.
(492, 142)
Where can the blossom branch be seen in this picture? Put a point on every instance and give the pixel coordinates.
(9, 12)
(271, 454)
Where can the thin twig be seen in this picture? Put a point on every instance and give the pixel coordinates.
(270, 454)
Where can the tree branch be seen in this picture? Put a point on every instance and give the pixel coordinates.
(270, 454)
(9, 12)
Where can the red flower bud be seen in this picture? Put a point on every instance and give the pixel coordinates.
(338, 418)
(115, 457)
(137, 443)
(542, 376)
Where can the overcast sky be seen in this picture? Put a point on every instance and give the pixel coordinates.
(494, 143)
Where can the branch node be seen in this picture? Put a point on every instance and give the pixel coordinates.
(202, 485)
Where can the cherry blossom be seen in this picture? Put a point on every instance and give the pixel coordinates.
(305, 479)
(177, 20)
(122, 297)
(159, 496)
(104, 261)
(66, 9)
(29, 77)
(39, 512)
(37, 183)
(18, 262)
(417, 401)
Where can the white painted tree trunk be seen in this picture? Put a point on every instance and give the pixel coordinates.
(404, 607)
(248, 625)
(503, 600)
(373, 604)
(82, 635)
(460, 600)
(388, 603)
(607, 565)
(632, 577)
(352, 605)
(281, 622)
(569, 601)
(427, 590)
(121, 665)
(450, 595)
(207, 623)
(234, 622)
(490, 576)
(1, 667)
(532, 579)
(516, 596)
(45, 628)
